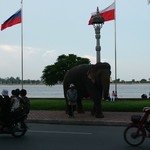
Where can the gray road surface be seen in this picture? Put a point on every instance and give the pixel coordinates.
(70, 137)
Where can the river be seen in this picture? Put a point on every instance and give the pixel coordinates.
(38, 91)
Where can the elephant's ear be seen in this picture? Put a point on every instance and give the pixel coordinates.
(91, 76)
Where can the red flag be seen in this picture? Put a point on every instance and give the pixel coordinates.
(108, 13)
(14, 19)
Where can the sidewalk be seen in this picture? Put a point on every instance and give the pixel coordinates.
(59, 117)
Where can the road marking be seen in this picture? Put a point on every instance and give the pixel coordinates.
(59, 132)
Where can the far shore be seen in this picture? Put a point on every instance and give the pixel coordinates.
(61, 84)
(118, 99)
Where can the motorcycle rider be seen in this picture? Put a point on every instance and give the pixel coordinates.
(26, 101)
(16, 108)
(11, 109)
(14, 126)
(5, 107)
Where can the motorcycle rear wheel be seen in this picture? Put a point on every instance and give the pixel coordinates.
(19, 129)
(134, 136)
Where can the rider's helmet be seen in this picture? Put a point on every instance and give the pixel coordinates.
(23, 92)
(5, 92)
(15, 92)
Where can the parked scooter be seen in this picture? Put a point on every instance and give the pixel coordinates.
(17, 127)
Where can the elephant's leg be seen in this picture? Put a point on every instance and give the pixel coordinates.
(67, 106)
(93, 111)
(98, 108)
(79, 106)
(67, 109)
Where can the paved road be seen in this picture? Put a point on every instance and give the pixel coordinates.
(69, 137)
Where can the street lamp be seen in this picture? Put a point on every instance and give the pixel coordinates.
(97, 22)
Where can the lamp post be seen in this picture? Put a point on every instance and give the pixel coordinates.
(97, 22)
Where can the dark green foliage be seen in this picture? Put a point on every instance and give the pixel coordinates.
(47, 104)
(125, 106)
(53, 74)
(117, 106)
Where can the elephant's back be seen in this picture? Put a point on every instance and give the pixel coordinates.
(77, 72)
(76, 75)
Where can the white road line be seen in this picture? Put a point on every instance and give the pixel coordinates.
(59, 132)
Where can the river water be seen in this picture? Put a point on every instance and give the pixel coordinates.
(38, 91)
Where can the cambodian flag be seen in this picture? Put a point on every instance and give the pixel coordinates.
(14, 19)
(108, 13)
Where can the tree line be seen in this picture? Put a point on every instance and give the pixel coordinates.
(132, 81)
(17, 80)
(54, 73)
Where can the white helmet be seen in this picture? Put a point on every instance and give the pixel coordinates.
(71, 85)
(5, 92)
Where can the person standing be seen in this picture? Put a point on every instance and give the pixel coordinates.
(72, 99)
(113, 96)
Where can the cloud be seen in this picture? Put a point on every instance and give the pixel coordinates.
(34, 60)
(50, 56)
(9, 48)
(32, 50)
(92, 58)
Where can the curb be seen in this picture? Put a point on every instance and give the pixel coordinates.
(77, 122)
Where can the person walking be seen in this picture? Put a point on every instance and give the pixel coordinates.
(72, 98)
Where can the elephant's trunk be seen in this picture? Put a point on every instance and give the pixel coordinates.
(106, 92)
(105, 85)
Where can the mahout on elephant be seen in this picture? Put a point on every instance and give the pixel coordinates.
(91, 81)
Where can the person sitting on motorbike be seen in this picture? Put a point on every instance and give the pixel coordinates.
(26, 101)
(5, 107)
(16, 108)
(0, 104)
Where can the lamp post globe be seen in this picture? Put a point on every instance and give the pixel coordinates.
(97, 22)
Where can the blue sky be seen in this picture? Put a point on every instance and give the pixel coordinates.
(55, 27)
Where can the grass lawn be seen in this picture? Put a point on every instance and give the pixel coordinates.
(119, 106)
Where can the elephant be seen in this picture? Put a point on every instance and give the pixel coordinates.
(91, 81)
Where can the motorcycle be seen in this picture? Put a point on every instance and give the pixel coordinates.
(17, 127)
(139, 128)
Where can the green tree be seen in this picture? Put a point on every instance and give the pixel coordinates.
(143, 81)
(53, 74)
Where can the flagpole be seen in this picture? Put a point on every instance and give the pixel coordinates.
(115, 50)
(22, 44)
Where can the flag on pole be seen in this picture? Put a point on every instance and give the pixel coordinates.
(148, 1)
(13, 20)
(108, 13)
